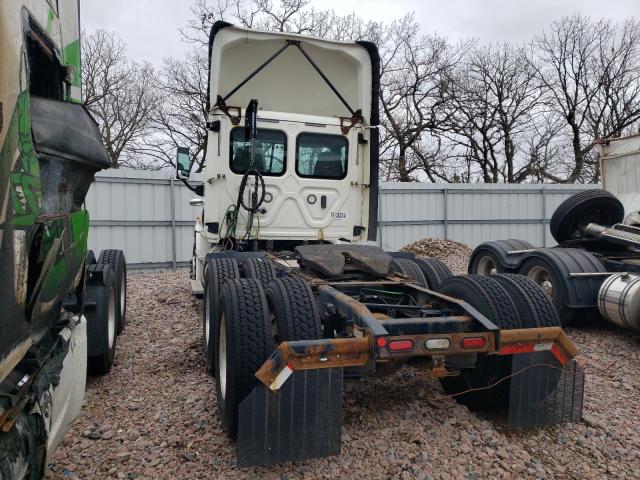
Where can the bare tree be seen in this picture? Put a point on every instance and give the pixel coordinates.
(179, 119)
(414, 67)
(121, 95)
(590, 73)
(493, 96)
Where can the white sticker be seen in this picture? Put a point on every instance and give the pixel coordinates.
(338, 215)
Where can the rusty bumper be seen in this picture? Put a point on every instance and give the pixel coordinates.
(355, 352)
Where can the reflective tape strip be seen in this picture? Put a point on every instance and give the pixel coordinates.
(281, 378)
(542, 347)
(557, 352)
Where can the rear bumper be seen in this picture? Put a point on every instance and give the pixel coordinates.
(355, 352)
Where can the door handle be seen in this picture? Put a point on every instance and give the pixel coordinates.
(323, 201)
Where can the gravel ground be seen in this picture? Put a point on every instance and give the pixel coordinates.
(454, 254)
(154, 415)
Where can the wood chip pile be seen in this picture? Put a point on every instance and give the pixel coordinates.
(454, 254)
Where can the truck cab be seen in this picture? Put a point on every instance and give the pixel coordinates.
(316, 143)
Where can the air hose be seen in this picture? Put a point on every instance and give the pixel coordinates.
(255, 202)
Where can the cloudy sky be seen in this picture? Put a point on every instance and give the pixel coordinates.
(150, 27)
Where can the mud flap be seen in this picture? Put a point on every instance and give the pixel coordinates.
(543, 391)
(300, 421)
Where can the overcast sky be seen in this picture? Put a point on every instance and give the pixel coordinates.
(150, 27)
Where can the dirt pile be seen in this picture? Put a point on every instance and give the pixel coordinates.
(454, 254)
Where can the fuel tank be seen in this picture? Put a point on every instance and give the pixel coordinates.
(619, 300)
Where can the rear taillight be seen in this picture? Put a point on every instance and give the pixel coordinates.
(381, 342)
(400, 345)
(473, 342)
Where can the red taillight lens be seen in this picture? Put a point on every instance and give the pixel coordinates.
(381, 342)
(400, 345)
(474, 342)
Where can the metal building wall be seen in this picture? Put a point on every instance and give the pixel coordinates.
(471, 214)
(135, 211)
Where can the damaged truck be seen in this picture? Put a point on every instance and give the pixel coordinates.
(298, 296)
(60, 307)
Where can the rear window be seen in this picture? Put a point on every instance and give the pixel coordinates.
(270, 155)
(321, 156)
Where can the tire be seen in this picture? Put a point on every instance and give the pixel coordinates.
(434, 271)
(294, 307)
(259, 268)
(534, 308)
(217, 271)
(118, 263)
(101, 320)
(23, 449)
(550, 270)
(243, 328)
(590, 206)
(492, 300)
(409, 268)
(490, 258)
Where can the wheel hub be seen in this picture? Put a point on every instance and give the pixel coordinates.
(486, 266)
(543, 278)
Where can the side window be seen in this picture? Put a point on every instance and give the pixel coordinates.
(321, 156)
(270, 155)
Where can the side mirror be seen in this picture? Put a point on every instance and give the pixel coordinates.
(183, 164)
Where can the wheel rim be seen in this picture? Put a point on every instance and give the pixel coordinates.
(543, 279)
(207, 327)
(111, 322)
(486, 266)
(123, 293)
(222, 357)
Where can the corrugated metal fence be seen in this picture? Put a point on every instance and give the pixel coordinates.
(147, 214)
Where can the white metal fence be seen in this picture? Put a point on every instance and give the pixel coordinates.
(147, 214)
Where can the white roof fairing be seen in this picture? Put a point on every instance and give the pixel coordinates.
(290, 83)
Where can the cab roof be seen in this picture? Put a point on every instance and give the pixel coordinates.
(290, 82)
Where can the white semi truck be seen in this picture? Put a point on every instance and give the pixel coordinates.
(60, 307)
(296, 294)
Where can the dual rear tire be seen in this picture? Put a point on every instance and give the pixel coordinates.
(251, 320)
(510, 302)
(427, 272)
(105, 307)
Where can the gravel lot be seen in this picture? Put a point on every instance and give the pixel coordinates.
(154, 415)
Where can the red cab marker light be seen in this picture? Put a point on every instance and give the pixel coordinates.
(381, 342)
(400, 345)
(474, 342)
